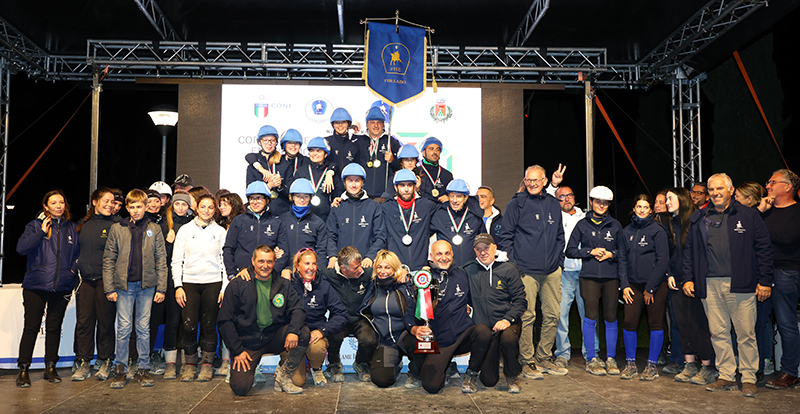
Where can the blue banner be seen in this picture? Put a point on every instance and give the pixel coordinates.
(395, 64)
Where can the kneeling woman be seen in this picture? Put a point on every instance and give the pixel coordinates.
(385, 306)
(644, 284)
(200, 280)
(319, 299)
(597, 241)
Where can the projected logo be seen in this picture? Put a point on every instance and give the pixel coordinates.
(263, 105)
(318, 110)
(440, 112)
(261, 110)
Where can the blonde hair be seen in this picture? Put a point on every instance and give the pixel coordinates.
(299, 255)
(391, 259)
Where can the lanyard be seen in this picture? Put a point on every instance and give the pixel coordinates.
(373, 147)
(452, 220)
(295, 162)
(316, 186)
(407, 225)
(431, 177)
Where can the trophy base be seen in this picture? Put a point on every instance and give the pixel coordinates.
(427, 347)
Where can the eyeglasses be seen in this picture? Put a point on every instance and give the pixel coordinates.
(256, 198)
(534, 180)
(711, 223)
(563, 197)
(773, 182)
(698, 192)
(269, 141)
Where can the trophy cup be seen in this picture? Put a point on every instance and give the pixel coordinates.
(422, 280)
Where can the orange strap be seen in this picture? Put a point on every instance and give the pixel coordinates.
(758, 103)
(621, 144)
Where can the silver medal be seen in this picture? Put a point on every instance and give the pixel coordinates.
(407, 240)
(457, 239)
(315, 201)
(376, 163)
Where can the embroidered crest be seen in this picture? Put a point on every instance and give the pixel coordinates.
(278, 300)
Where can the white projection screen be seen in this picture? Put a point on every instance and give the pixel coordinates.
(452, 115)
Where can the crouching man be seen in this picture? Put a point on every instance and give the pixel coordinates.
(260, 316)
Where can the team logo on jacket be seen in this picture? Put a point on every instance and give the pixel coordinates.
(416, 218)
(306, 229)
(104, 234)
(361, 289)
(349, 156)
(312, 303)
(537, 217)
(291, 226)
(69, 239)
(149, 233)
(347, 220)
(609, 237)
(278, 300)
(363, 223)
(643, 242)
(459, 293)
(269, 231)
(499, 284)
(739, 229)
(594, 233)
(550, 219)
(467, 229)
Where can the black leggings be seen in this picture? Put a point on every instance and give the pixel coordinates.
(202, 306)
(94, 310)
(34, 302)
(365, 335)
(474, 340)
(387, 361)
(592, 290)
(655, 310)
(506, 344)
(690, 316)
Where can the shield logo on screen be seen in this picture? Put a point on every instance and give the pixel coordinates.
(441, 112)
(318, 110)
(261, 110)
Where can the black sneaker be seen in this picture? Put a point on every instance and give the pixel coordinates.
(144, 378)
(119, 380)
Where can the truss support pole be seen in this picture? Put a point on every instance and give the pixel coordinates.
(686, 135)
(589, 100)
(96, 89)
(5, 103)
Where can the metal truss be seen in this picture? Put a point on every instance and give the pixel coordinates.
(156, 18)
(5, 103)
(20, 52)
(705, 26)
(686, 135)
(532, 18)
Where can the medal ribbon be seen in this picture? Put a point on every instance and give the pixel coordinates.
(407, 225)
(316, 186)
(431, 177)
(373, 147)
(452, 220)
(422, 280)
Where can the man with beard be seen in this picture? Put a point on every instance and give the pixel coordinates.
(451, 324)
(434, 178)
(407, 221)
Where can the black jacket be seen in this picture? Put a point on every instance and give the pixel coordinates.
(497, 293)
(238, 320)
(92, 238)
(647, 253)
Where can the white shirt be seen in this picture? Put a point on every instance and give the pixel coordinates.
(197, 254)
(570, 220)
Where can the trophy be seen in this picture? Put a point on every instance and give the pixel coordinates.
(422, 280)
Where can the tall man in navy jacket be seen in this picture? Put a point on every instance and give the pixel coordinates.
(727, 262)
(378, 154)
(451, 324)
(407, 221)
(533, 237)
(263, 315)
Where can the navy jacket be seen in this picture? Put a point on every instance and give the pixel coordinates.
(248, 232)
(608, 235)
(443, 227)
(415, 256)
(377, 178)
(307, 231)
(357, 223)
(285, 168)
(237, 320)
(401, 292)
(532, 233)
(52, 263)
(647, 252)
(496, 225)
(450, 296)
(440, 175)
(496, 293)
(751, 250)
(344, 150)
(318, 302)
(92, 238)
(318, 170)
(350, 291)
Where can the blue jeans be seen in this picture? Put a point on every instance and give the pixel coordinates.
(784, 297)
(142, 301)
(569, 292)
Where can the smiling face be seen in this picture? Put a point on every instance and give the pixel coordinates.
(535, 181)
(384, 270)
(405, 190)
(225, 208)
(301, 200)
(205, 209)
(292, 148)
(661, 204)
(353, 270)
(55, 206)
(375, 128)
(699, 195)
(600, 207)
(432, 153)
(485, 198)
(316, 155)
(340, 127)
(263, 263)
(307, 267)
(258, 202)
(485, 252)
(153, 205)
(719, 193)
(566, 199)
(408, 163)
(672, 202)
(457, 201)
(353, 183)
(642, 209)
(268, 143)
(442, 254)
(105, 205)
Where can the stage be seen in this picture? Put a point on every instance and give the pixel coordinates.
(577, 392)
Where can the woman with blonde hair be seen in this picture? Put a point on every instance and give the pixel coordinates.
(386, 306)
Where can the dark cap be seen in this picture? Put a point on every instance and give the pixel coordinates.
(183, 180)
(153, 194)
(483, 238)
(118, 197)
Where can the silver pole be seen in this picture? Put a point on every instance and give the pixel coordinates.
(163, 158)
(96, 89)
(589, 95)
(5, 104)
